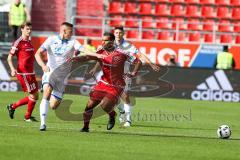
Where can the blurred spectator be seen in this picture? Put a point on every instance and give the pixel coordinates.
(225, 59)
(172, 61)
(18, 14)
(88, 45)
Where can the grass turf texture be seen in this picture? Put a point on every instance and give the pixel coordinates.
(162, 129)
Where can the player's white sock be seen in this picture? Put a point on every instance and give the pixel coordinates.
(43, 111)
(120, 107)
(128, 111)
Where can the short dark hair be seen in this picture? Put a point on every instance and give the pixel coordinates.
(67, 24)
(110, 35)
(119, 27)
(28, 24)
(225, 48)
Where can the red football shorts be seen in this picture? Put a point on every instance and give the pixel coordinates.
(102, 90)
(28, 82)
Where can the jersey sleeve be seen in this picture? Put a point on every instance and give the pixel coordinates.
(46, 44)
(14, 48)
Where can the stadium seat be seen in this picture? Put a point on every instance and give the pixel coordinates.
(164, 35)
(192, 1)
(177, 10)
(192, 11)
(115, 7)
(162, 10)
(208, 12)
(180, 36)
(178, 23)
(208, 38)
(194, 37)
(147, 22)
(224, 26)
(148, 35)
(225, 38)
(163, 23)
(208, 24)
(223, 12)
(235, 2)
(130, 8)
(194, 24)
(236, 26)
(237, 39)
(145, 8)
(131, 21)
(207, 1)
(132, 34)
(177, 1)
(116, 21)
(222, 2)
(161, 0)
(236, 13)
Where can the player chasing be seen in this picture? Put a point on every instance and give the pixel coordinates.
(59, 49)
(126, 108)
(107, 91)
(24, 51)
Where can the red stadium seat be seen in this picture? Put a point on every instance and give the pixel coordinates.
(208, 24)
(192, 1)
(115, 7)
(161, 0)
(208, 38)
(163, 22)
(193, 10)
(178, 23)
(130, 8)
(164, 35)
(235, 2)
(194, 37)
(224, 26)
(178, 10)
(225, 38)
(131, 21)
(207, 1)
(145, 8)
(194, 24)
(132, 34)
(236, 13)
(177, 1)
(162, 10)
(147, 22)
(223, 12)
(208, 12)
(116, 21)
(237, 39)
(236, 26)
(180, 36)
(222, 2)
(148, 35)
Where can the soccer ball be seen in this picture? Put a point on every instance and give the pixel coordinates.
(224, 132)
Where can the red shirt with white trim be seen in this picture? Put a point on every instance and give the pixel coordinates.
(24, 51)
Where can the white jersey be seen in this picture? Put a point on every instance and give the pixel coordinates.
(58, 50)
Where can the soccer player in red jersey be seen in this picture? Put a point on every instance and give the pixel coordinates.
(24, 51)
(107, 91)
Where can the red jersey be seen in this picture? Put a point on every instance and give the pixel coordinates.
(24, 51)
(113, 66)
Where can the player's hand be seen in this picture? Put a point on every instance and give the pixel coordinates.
(45, 68)
(100, 56)
(155, 67)
(13, 72)
(130, 74)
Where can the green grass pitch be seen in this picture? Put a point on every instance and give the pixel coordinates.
(163, 129)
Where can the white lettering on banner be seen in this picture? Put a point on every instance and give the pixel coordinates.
(8, 86)
(162, 53)
(183, 56)
(3, 74)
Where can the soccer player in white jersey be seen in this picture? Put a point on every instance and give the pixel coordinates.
(59, 49)
(126, 108)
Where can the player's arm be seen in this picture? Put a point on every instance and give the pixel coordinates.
(148, 61)
(40, 61)
(137, 65)
(10, 63)
(95, 68)
(90, 53)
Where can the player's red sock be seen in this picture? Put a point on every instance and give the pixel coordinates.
(87, 115)
(31, 105)
(112, 114)
(20, 102)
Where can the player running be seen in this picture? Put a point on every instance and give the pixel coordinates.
(107, 91)
(24, 51)
(59, 49)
